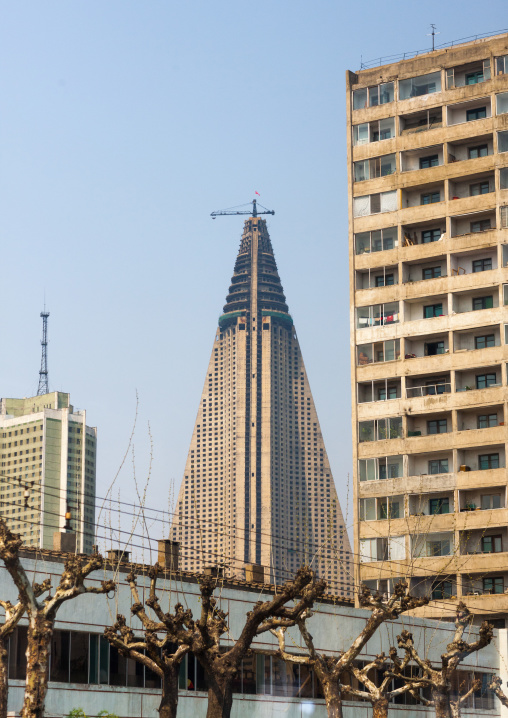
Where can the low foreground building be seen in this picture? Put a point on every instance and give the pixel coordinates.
(87, 673)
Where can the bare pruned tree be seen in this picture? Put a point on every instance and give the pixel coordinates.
(42, 615)
(161, 647)
(380, 692)
(439, 680)
(169, 636)
(495, 686)
(331, 670)
(221, 666)
(13, 614)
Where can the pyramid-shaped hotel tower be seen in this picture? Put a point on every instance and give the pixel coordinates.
(258, 497)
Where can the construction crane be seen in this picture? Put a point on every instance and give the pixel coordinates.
(239, 210)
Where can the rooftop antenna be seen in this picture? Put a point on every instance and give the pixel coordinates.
(43, 374)
(433, 33)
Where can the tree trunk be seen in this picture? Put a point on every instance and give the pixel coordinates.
(4, 679)
(40, 632)
(169, 701)
(220, 697)
(442, 705)
(333, 696)
(380, 708)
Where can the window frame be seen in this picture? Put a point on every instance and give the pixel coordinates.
(484, 381)
(435, 308)
(496, 542)
(478, 149)
(486, 462)
(430, 197)
(484, 301)
(438, 426)
(439, 464)
(429, 161)
(475, 113)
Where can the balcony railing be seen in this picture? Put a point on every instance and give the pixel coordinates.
(429, 390)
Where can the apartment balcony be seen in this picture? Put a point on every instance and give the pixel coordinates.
(486, 540)
(468, 75)
(430, 345)
(422, 158)
(484, 456)
(475, 219)
(423, 121)
(475, 150)
(430, 385)
(467, 480)
(479, 419)
(476, 110)
(483, 381)
(408, 484)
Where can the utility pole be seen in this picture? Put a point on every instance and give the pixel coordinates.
(43, 374)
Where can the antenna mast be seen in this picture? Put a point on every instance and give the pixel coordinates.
(43, 374)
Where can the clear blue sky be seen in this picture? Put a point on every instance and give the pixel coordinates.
(123, 125)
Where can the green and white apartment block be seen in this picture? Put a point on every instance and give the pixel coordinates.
(47, 469)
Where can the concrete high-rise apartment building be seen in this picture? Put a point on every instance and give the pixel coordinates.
(47, 469)
(428, 239)
(258, 494)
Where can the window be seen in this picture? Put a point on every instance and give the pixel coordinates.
(441, 589)
(481, 225)
(488, 461)
(430, 198)
(437, 426)
(491, 501)
(482, 265)
(502, 65)
(479, 188)
(431, 235)
(376, 241)
(493, 584)
(429, 161)
(477, 113)
(433, 310)
(439, 506)
(487, 340)
(492, 544)
(502, 141)
(381, 94)
(486, 421)
(378, 352)
(375, 203)
(376, 167)
(434, 348)
(377, 315)
(385, 281)
(373, 131)
(417, 86)
(502, 103)
(438, 466)
(438, 548)
(478, 151)
(431, 272)
(387, 393)
(485, 380)
(483, 303)
(503, 178)
(389, 467)
(360, 99)
(388, 508)
(473, 78)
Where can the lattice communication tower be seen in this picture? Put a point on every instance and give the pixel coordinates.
(43, 374)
